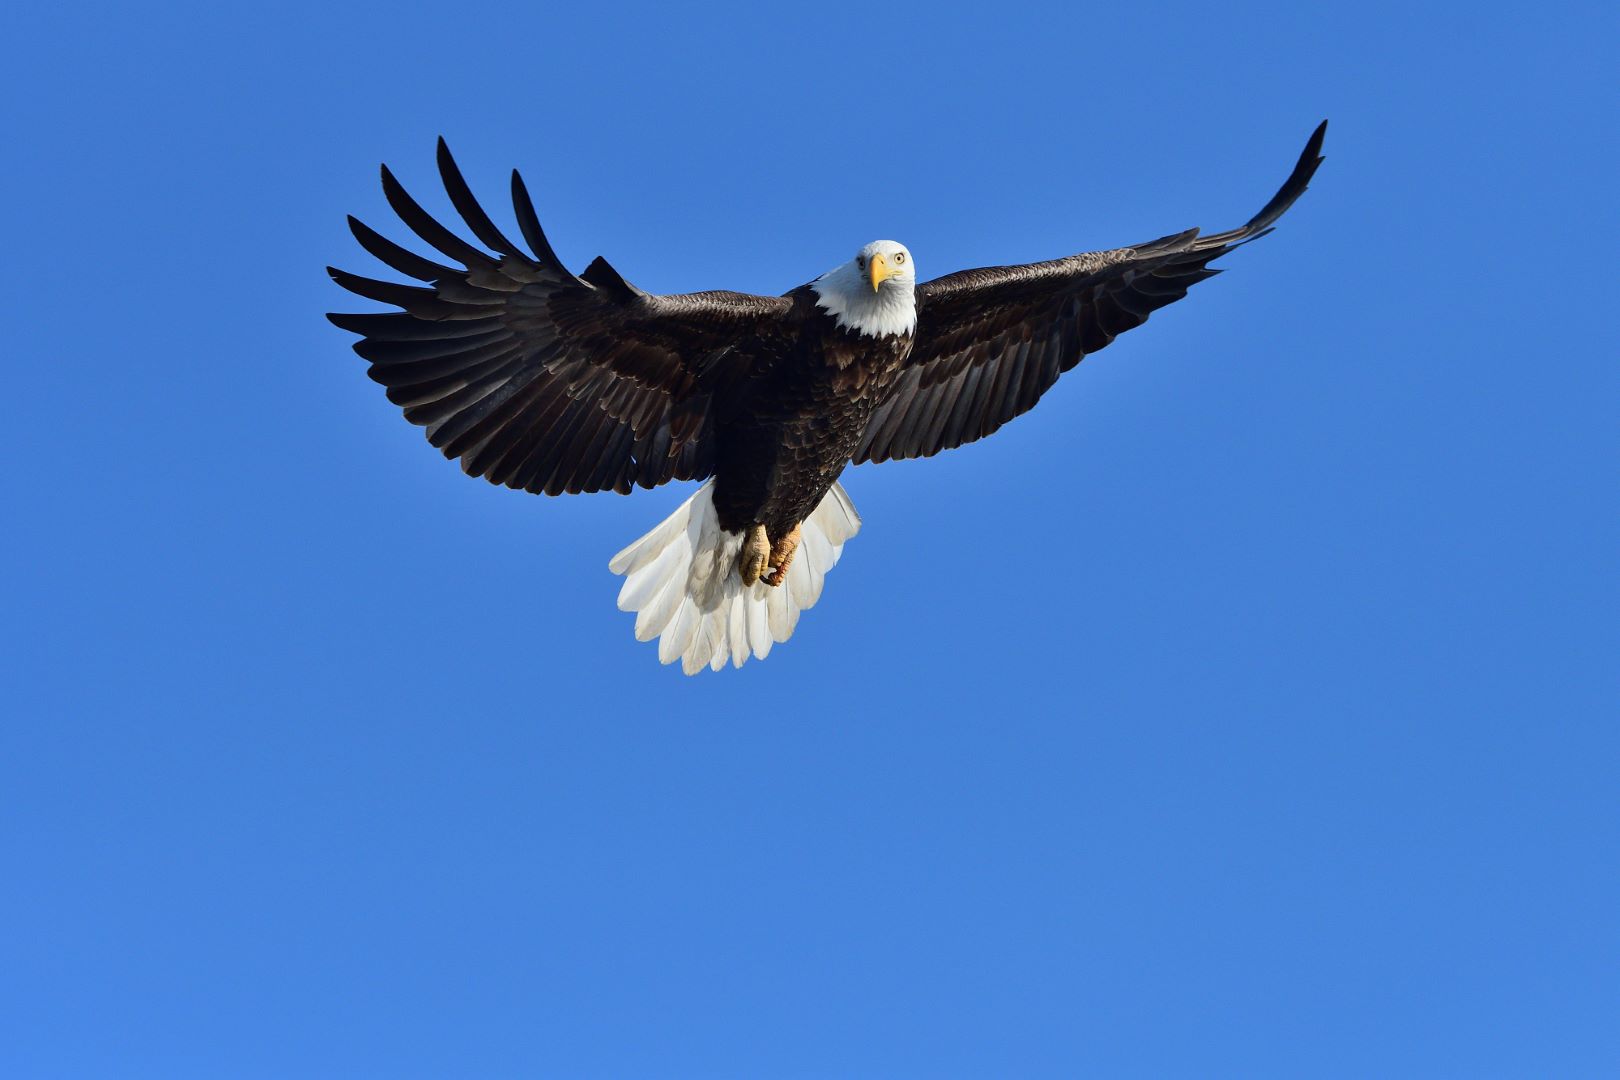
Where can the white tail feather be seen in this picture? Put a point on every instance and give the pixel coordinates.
(681, 580)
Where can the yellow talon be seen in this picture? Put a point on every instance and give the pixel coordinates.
(755, 552)
(781, 558)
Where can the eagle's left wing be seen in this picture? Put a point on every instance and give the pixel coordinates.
(991, 341)
(539, 379)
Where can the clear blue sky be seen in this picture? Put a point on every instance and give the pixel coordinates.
(1249, 709)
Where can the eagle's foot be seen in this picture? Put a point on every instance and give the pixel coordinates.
(756, 551)
(782, 553)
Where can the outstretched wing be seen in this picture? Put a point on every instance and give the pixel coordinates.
(990, 342)
(541, 380)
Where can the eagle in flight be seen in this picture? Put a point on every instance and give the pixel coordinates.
(541, 379)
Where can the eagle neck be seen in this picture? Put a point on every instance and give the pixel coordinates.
(844, 294)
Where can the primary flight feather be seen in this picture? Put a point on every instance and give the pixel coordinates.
(540, 379)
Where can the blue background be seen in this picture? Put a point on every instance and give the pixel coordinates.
(1248, 709)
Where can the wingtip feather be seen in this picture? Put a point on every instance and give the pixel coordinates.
(1310, 159)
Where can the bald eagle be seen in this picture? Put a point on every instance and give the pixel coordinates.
(540, 379)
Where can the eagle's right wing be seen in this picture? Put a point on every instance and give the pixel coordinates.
(541, 380)
(990, 342)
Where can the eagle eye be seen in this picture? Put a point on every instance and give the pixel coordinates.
(899, 257)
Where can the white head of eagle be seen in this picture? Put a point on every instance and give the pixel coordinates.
(874, 293)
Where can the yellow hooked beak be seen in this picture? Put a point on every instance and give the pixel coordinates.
(880, 269)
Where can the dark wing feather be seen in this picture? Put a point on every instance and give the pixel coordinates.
(990, 342)
(537, 379)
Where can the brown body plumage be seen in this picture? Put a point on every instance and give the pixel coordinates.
(790, 433)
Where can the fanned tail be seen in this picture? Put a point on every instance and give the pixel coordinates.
(681, 580)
